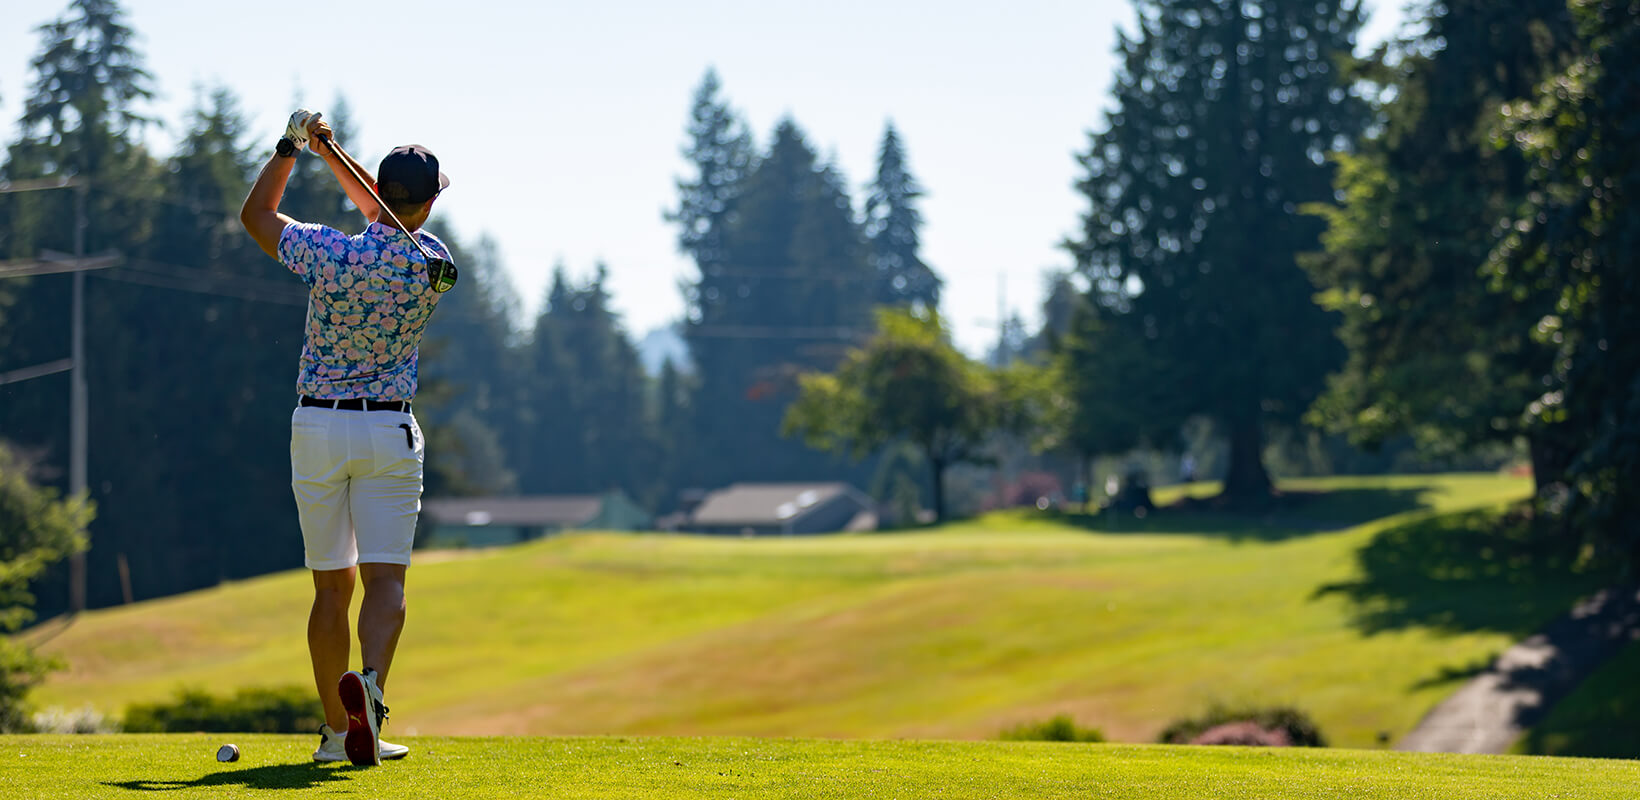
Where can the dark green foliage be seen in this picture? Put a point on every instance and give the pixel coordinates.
(1061, 728)
(284, 709)
(1434, 351)
(892, 231)
(1100, 408)
(720, 150)
(88, 79)
(791, 293)
(471, 383)
(588, 421)
(1597, 719)
(1298, 728)
(37, 528)
(1572, 253)
(1225, 114)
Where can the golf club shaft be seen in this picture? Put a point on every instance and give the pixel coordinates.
(347, 162)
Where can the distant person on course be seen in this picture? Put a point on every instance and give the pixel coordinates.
(356, 453)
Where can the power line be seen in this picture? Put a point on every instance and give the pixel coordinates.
(37, 184)
(54, 264)
(228, 290)
(38, 371)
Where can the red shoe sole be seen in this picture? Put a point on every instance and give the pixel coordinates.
(360, 743)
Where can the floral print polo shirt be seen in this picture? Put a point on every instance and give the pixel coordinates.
(369, 301)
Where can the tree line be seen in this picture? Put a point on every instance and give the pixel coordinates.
(1429, 247)
(1424, 248)
(192, 339)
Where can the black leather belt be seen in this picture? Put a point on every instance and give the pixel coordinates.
(357, 404)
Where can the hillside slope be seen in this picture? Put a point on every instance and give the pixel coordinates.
(956, 632)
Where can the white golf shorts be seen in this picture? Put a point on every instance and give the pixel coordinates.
(357, 480)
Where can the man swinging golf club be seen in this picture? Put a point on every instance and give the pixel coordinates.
(356, 452)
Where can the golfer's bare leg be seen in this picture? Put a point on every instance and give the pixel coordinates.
(329, 638)
(381, 616)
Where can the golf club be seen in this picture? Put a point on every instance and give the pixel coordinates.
(441, 273)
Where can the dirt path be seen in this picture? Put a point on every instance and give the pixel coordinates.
(1498, 706)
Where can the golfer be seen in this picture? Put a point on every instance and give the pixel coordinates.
(356, 452)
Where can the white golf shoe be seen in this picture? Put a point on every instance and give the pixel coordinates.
(366, 713)
(331, 748)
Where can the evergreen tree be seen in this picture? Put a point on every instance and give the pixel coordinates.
(720, 152)
(471, 360)
(589, 430)
(549, 457)
(237, 315)
(892, 230)
(791, 295)
(1225, 114)
(1574, 242)
(88, 81)
(80, 120)
(1433, 350)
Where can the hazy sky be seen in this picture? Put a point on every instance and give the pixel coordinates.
(559, 123)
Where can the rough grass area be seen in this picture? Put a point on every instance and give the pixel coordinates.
(1351, 602)
(182, 766)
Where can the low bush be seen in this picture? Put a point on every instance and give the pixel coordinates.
(1059, 729)
(285, 709)
(1279, 726)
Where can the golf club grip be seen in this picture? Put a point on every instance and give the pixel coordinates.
(337, 150)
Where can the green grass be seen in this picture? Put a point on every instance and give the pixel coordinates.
(1340, 603)
(182, 766)
(1598, 718)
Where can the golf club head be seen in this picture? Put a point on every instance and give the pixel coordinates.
(442, 274)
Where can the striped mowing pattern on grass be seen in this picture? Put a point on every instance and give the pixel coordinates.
(951, 633)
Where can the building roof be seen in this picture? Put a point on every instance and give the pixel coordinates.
(546, 510)
(768, 503)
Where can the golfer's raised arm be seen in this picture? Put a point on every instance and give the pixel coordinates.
(260, 213)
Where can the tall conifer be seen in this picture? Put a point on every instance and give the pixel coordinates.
(1225, 114)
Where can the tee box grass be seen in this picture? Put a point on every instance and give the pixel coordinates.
(182, 766)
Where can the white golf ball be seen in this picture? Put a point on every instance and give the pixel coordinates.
(227, 752)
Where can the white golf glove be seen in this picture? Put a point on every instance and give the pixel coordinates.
(296, 130)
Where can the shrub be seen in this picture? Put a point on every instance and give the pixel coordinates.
(1247, 734)
(1236, 725)
(285, 709)
(1059, 729)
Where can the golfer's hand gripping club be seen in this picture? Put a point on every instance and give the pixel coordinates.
(441, 273)
(299, 128)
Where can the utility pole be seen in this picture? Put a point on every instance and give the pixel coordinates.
(77, 401)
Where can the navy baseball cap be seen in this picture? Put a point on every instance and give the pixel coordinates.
(410, 174)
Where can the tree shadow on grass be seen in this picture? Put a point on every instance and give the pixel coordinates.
(277, 776)
(1291, 514)
(1474, 571)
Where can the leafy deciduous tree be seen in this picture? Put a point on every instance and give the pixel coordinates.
(907, 383)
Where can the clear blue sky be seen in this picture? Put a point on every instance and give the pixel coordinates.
(559, 123)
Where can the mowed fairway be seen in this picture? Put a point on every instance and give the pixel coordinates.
(181, 766)
(953, 633)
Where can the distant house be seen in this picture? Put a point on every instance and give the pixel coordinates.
(783, 509)
(487, 521)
